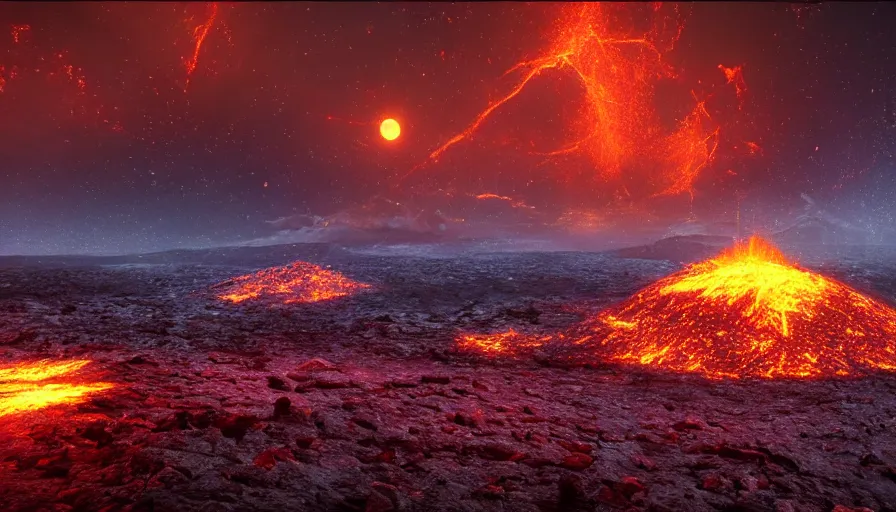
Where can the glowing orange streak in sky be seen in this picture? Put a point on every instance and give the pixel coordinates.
(349, 121)
(494, 196)
(491, 108)
(513, 202)
(624, 129)
(553, 62)
(689, 151)
(199, 35)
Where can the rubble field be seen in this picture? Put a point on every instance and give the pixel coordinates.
(363, 402)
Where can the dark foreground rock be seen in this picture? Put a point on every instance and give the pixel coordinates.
(362, 404)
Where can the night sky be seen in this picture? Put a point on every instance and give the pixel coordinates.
(110, 144)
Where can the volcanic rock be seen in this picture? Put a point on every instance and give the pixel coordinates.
(316, 365)
(277, 383)
(281, 407)
(577, 461)
(201, 429)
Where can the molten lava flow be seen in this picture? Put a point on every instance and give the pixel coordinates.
(617, 69)
(504, 343)
(28, 387)
(293, 283)
(749, 312)
(200, 32)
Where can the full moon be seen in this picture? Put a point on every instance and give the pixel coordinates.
(390, 129)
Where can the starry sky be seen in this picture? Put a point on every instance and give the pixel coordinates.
(116, 139)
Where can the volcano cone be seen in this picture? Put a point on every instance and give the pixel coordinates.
(749, 313)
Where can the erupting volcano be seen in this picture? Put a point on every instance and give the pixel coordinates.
(297, 282)
(749, 312)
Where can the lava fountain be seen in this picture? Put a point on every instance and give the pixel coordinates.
(32, 386)
(749, 312)
(297, 282)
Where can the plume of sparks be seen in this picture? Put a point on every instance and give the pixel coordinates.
(59, 67)
(735, 76)
(617, 71)
(297, 282)
(28, 63)
(200, 32)
(32, 386)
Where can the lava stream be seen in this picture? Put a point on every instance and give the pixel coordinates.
(31, 386)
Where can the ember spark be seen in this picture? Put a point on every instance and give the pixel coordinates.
(28, 387)
(750, 312)
(735, 76)
(297, 282)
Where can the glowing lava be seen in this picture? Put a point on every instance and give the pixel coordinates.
(28, 387)
(503, 343)
(390, 129)
(617, 68)
(749, 312)
(297, 282)
(745, 313)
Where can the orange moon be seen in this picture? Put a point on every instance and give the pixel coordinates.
(390, 129)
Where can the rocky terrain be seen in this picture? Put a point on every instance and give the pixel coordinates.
(363, 403)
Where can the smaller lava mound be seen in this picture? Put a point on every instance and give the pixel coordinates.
(297, 282)
(748, 312)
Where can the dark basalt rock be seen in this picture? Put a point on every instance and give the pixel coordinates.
(205, 413)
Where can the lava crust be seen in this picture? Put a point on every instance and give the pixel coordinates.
(362, 402)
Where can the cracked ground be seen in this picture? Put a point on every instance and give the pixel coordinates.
(364, 404)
